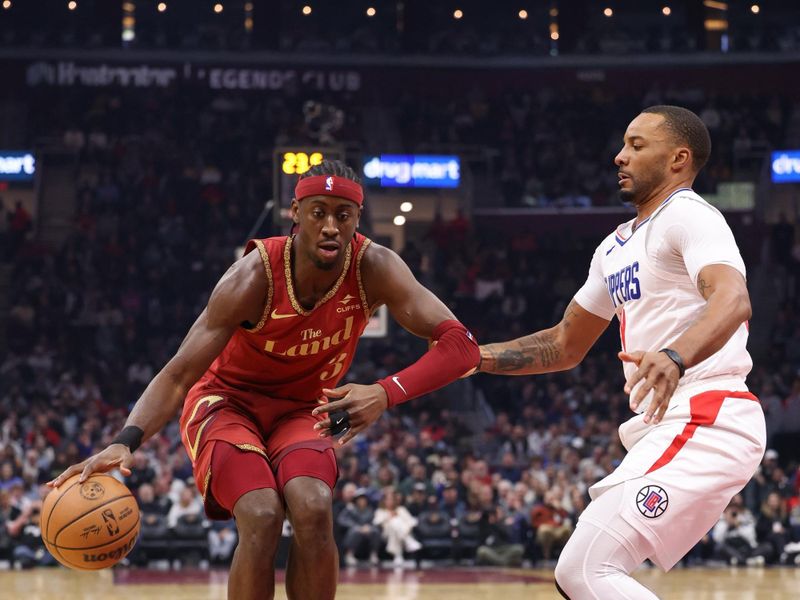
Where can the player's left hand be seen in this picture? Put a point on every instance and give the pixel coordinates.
(362, 404)
(660, 374)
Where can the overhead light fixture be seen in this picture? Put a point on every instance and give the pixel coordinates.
(608, 12)
(162, 6)
(306, 10)
(371, 11)
(666, 11)
(406, 207)
(458, 13)
(399, 220)
(523, 14)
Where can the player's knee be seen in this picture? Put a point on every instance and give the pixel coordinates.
(312, 513)
(259, 517)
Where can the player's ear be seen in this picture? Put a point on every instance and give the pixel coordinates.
(294, 209)
(682, 159)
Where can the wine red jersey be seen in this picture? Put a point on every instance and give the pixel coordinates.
(292, 353)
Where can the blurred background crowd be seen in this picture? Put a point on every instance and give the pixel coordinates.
(167, 183)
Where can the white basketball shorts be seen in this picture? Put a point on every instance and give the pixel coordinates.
(680, 475)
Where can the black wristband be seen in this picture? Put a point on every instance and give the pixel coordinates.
(130, 436)
(676, 358)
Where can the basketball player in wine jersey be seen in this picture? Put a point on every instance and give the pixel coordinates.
(675, 280)
(257, 375)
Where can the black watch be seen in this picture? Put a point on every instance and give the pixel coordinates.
(676, 358)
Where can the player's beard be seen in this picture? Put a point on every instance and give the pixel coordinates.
(639, 190)
(323, 265)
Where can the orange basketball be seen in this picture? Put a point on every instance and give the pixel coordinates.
(90, 525)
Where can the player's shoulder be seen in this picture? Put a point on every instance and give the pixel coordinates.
(377, 258)
(687, 206)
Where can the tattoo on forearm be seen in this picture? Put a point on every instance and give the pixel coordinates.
(512, 360)
(537, 351)
(704, 288)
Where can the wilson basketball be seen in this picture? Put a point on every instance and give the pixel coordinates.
(90, 525)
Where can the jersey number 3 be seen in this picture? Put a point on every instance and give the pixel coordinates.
(338, 365)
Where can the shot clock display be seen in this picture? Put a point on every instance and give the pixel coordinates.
(290, 163)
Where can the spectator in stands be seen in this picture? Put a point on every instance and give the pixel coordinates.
(188, 505)
(772, 526)
(360, 534)
(498, 545)
(552, 524)
(418, 500)
(451, 504)
(735, 536)
(222, 539)
(396, 525)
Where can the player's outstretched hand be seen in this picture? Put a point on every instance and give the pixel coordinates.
(114, 456)
(350, 409)
(659, 373)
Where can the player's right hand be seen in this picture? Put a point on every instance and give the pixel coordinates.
(114, 456)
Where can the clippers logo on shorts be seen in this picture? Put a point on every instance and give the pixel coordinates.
(624, 285)
(652, 501)
(91, 490)
(329, 184)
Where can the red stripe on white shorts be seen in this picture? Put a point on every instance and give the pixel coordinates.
(704, 409)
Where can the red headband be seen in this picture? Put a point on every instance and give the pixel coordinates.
(329, 185)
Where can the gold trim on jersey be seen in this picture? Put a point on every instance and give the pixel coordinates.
(210, 400)
(287, 271)
(361, 291)
(206, 479)
(252, 448)
(268, 268)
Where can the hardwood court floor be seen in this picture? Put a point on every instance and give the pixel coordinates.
(439, 584)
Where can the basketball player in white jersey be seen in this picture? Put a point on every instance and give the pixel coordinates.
(675, 280)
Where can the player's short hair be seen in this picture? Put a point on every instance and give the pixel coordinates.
(332, 167)
(686, 128)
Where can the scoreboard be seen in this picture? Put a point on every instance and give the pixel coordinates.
(291, 162)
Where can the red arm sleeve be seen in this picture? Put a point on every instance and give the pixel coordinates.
(455, 353)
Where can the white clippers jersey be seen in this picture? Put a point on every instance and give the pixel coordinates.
(647, 277)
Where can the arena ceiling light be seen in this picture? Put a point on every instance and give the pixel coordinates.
(406, 207)
(608, 12)
(666, 11)
(218, 8)
(399, 220)
(371, 11)
(72, 5)
(458, 13)
(6, 4)
(162, 6)
(755, 9)
(523, 14)
(306, 10)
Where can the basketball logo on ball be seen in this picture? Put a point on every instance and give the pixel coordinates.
(652, 501)
(92, 490)
(92, 525)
